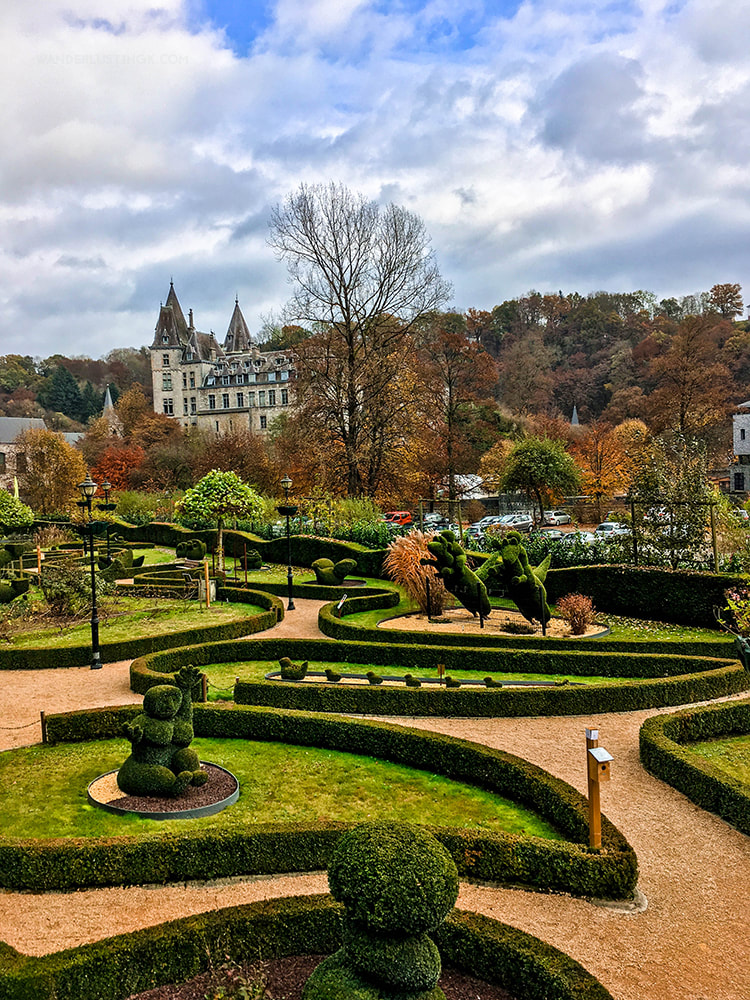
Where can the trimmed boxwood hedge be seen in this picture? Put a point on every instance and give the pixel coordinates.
(659, 679)
(650, 592)
(305, 548)
(568, 866)
(663, 754)
(173, 952)
(40, 657)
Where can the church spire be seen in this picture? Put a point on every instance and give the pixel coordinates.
(173, 304)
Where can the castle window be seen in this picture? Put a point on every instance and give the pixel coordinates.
(192, 405)
(212, 402)
(169, 407)
(2, 461)
(261, 399)
(192, 380)
(225, 380)
(217, 426)
(263, 423)
(184, 380)
(166, 383)
(284, 376)
(742, 434)
(272, 398)
(251, 399)
(188, 355)
(184, 406)
(240, 399)
(272, 376)
(284, 397)
(165, 359)
(210, 380)
(225, 400)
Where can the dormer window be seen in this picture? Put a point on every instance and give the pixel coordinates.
(165, 339)
(188, 355)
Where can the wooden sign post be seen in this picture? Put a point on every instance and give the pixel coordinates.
(597, 770)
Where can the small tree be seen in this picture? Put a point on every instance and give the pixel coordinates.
(543, 469)
(54, 469)
(217, 496)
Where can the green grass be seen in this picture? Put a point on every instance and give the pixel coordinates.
(156, 556)
(43, 792)
(134, 617)
(731, 755)
(221, 676)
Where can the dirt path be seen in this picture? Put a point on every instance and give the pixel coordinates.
(691, 943)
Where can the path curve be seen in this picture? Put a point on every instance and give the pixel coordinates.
(691, 943)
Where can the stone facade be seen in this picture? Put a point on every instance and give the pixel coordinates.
(216, 387)
(739, 472)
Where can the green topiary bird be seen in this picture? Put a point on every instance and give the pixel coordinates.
(465, 585)
(523, 583)
(332, 574)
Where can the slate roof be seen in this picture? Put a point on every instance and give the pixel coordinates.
(238, 335)
(11, 427)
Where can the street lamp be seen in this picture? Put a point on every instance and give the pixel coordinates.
(107, 486)
(88, 489)
(288, 510)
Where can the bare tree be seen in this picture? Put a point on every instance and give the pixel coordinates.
(363, 276)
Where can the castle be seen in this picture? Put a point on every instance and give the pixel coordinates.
(220, 388)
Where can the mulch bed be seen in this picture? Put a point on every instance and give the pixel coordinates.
(219, 786)
(284, 979)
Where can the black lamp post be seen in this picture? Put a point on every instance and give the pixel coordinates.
(288, 510)
(107, 486)
(88, 489)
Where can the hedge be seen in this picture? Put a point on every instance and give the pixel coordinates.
(663, 754)
(658, 679)
(174, 952)
(305, 548)
(679, 596)
(341, 628)
(40, 657)
(568, 866)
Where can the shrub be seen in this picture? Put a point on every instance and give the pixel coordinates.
(6, 592)
(13, 513)
(193, 548)
(404, 565)
(137, 508)
(66, 586)
(332, 574)
(332, 676)
(373, 678)
(49, 535)
(578, 611)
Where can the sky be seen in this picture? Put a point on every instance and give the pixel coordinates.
(547, 144)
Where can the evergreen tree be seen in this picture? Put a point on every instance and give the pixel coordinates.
(62, 394)
(92, 402)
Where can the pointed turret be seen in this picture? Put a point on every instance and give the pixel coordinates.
(174, 305)
(574, 421)
(238, 335)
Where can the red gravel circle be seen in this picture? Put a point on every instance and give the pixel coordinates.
(220, 785)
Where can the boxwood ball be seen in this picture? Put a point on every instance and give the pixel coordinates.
(393, 878)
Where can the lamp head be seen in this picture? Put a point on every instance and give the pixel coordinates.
(106, 486)
(87, 487)
(286, 484)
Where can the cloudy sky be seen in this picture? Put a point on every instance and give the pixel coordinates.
(549, 144)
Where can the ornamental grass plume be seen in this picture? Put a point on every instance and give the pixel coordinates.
(578, 611)
(403, 564)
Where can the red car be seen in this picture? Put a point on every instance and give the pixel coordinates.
(398, 518)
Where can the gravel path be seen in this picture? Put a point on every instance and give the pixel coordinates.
(692, 942)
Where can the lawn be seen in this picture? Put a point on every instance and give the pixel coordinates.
(43, 792)
(221, 676)
(731, 755)
(129, 617)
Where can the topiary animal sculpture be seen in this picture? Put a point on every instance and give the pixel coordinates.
(161, 762)
(449, 559)
(397, 884)
(333, 575)
(251, 560)
(524, 583)
(192, 548)
(292, 671)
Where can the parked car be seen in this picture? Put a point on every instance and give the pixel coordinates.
(557, 517)
(583, 537)
(517, 522)
(473, 534)
(398, 518)
(611, 529)
(553, 534)
(435, 522)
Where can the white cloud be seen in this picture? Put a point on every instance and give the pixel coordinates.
(568, 145)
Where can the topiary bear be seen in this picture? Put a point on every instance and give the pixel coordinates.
(450, 562)
(292, 671)
(397, 884)
(524, 583)
(333, 575)
(161, 762)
